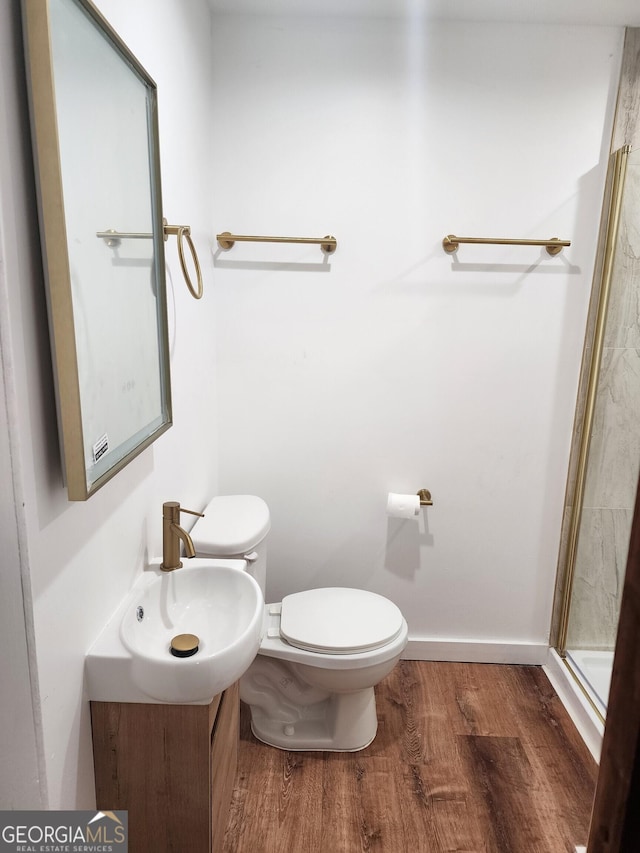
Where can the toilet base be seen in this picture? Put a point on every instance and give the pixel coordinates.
(344, 722)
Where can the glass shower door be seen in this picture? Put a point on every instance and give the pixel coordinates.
(606, 485)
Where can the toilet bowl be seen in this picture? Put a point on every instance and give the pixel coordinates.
(311, 685)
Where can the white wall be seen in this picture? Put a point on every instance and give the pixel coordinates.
(22, 782)
(394, 366)
(80, 559)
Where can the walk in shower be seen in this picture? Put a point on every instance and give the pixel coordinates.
(605, 458)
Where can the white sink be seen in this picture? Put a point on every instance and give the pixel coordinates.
(215, 600)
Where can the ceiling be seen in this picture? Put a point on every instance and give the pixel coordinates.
(595, 12)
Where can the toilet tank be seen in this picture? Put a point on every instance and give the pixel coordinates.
(235, 526)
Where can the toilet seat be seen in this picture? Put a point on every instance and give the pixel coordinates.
(339, 621)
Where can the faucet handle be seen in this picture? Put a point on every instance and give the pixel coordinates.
(192, 512)
(172, 510)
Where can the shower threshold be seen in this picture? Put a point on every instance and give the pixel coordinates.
(594, 670)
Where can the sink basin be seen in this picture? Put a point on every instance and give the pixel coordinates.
(215, 600)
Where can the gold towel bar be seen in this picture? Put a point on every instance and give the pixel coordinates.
(226, 240)
(553, 246)
(113, 239)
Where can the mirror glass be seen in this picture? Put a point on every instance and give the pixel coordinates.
(94, 115)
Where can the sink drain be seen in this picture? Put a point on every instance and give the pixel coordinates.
(184, 645)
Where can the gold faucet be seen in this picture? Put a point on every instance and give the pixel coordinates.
(172, 533)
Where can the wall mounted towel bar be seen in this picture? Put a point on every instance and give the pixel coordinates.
(226, 240)
(183, 232)
(553, 246)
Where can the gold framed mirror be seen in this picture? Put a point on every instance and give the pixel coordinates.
(95, 141)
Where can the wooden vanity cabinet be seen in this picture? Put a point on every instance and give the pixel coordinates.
(172, 767)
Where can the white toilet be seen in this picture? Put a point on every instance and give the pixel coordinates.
(322, 651)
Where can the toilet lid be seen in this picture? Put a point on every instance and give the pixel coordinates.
(339, 621)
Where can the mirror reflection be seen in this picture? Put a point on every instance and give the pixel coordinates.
(107, 303)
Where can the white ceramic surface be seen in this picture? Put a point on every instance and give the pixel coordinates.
(214, 599)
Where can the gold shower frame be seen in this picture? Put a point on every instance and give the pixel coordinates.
(606, 250)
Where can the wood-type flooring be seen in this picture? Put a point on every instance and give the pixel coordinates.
(479, 758)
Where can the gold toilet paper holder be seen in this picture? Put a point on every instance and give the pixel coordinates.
(425, 497)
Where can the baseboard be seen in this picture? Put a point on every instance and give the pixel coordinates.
(472, 651)
(585, 719)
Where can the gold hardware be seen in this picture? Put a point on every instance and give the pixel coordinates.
(184, 645)
(181, 231)
(425, 497)
(172, 533)
(113, 239)
(227, 240)
(553, 246)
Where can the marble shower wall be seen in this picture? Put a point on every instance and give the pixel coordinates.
(614, 455)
